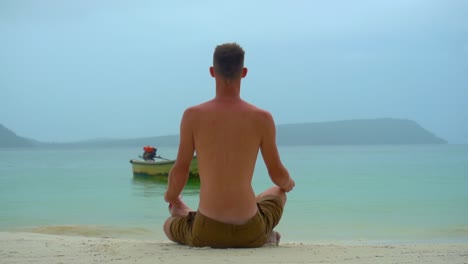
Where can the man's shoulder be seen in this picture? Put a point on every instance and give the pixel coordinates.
(256, 109)
(262, 113)
(198, 107)
(195, 111)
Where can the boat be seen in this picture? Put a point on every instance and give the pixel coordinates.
(150, 168)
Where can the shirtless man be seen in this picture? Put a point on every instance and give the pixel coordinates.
(227, 133)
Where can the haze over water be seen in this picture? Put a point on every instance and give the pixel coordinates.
(77, 70)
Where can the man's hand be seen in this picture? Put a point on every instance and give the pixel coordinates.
(178, 207)
(289, 186)
(170, 200)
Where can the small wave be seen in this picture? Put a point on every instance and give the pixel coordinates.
(91, 231)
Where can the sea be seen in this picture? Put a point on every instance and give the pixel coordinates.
(346, 194)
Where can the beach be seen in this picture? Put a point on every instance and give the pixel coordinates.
(20, 247)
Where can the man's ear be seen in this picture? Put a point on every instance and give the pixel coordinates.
(244, 72)
(212, 72)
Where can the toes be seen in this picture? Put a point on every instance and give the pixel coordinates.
(273, 238)
(278, 238)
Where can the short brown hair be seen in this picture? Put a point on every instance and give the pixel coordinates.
(228, 60)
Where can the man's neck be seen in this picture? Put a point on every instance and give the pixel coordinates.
(227, 90)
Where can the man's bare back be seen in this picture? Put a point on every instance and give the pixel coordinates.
(226, 133)
(227, 136)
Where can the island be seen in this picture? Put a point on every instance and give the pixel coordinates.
(9, 139)
(382, 131)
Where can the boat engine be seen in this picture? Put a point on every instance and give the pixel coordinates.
(149, 153)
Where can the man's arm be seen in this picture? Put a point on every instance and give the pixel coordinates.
(278, 173)
(180, 171)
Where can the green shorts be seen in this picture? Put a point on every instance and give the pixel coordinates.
(197, 230)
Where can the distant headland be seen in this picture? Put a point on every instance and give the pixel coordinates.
(382, 131)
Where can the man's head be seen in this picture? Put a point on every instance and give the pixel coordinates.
(228, 61)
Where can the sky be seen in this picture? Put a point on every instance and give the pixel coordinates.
(78, 70)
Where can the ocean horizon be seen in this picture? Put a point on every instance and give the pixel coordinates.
(383, 193)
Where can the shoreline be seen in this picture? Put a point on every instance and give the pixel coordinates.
(23, 247)
(145, 234)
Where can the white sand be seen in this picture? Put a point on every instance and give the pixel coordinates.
(54, 249)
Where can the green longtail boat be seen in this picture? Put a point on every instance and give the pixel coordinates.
(142, 168)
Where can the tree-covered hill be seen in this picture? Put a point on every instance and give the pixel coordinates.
(384, 131)
(8, 139)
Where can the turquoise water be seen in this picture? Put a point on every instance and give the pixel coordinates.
(343, 193)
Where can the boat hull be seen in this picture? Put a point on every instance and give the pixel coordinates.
(160, 168)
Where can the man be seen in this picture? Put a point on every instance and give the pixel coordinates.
(227, 133)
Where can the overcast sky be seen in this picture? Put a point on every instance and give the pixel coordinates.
(74, 70)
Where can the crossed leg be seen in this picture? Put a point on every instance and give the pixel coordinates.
(274, 237)
(176, 210)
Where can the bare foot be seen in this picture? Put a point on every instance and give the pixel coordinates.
(179, 209)
(273, 238)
